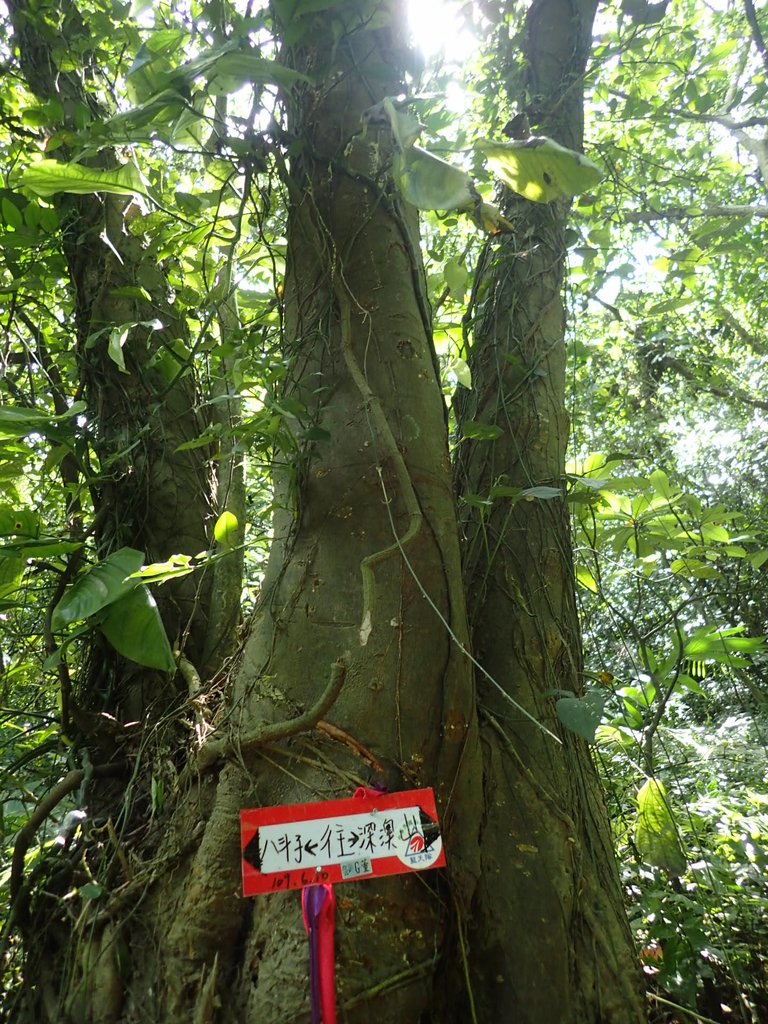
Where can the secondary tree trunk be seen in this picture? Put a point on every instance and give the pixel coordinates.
(550, 942)
(145, 492)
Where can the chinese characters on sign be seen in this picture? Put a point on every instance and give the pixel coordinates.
(339, 841)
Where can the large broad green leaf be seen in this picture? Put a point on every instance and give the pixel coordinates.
(134, 628)
(16, 522)
(655, 832)
(49, 177)
(474, 431)
(243, 67)
(18, 422)
(456, 277)
(162, 108)
(101, 586)
(540, 169)
(41, 547)
(430, 183)
(708, 644)
(151, 66)
(228, 67)
(542, 491)
(405, 127)
(173, 568)
(582, 714)
(226, 531)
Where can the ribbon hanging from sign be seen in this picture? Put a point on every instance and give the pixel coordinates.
(312, 846)
(318, 908)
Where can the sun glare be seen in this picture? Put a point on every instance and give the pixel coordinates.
(439, 30)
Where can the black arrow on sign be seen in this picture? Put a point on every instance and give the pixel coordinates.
(252, 853)
(429, 829)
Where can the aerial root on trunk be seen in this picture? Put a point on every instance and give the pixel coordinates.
(215, 749)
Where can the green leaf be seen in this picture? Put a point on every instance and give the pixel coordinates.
(226, 531)
(134, 628)
(18, 422)
(655, 832)
(504, 491)
(49, 177)
(209, 436)
(242, 67)
(430, 183)
(461, 371)
(231, 66)
(101, 586)
(173, 568)
(586, 579)
(316, 434)
(456, 277)
(45, 547)
(543, 492)
(151, 68)
(660, 483)
(540, 169)
(405, 127)
(91, 891)
(721, 645)
(18, 522)
(582, 714)
(474, 431)
(12, 216)
(161, 108)
(117, 338)
(694, 568)
(11, 571)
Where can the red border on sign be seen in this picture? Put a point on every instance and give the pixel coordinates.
(256, 882)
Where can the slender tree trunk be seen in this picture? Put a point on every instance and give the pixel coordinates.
(550, 942)
(148, 492)
(142, 400)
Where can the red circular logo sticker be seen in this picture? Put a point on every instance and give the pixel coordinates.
(416, 843)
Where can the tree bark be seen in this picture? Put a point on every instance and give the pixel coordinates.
(364, 574)
(145, 493)
(550, 941)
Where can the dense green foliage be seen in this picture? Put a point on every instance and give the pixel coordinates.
(180, 115)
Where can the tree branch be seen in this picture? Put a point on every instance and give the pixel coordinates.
(719, 391)
(754, 27)
(44, 808)
(683, 212)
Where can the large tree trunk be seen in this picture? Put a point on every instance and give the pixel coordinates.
(550, 941)
(364, 578)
